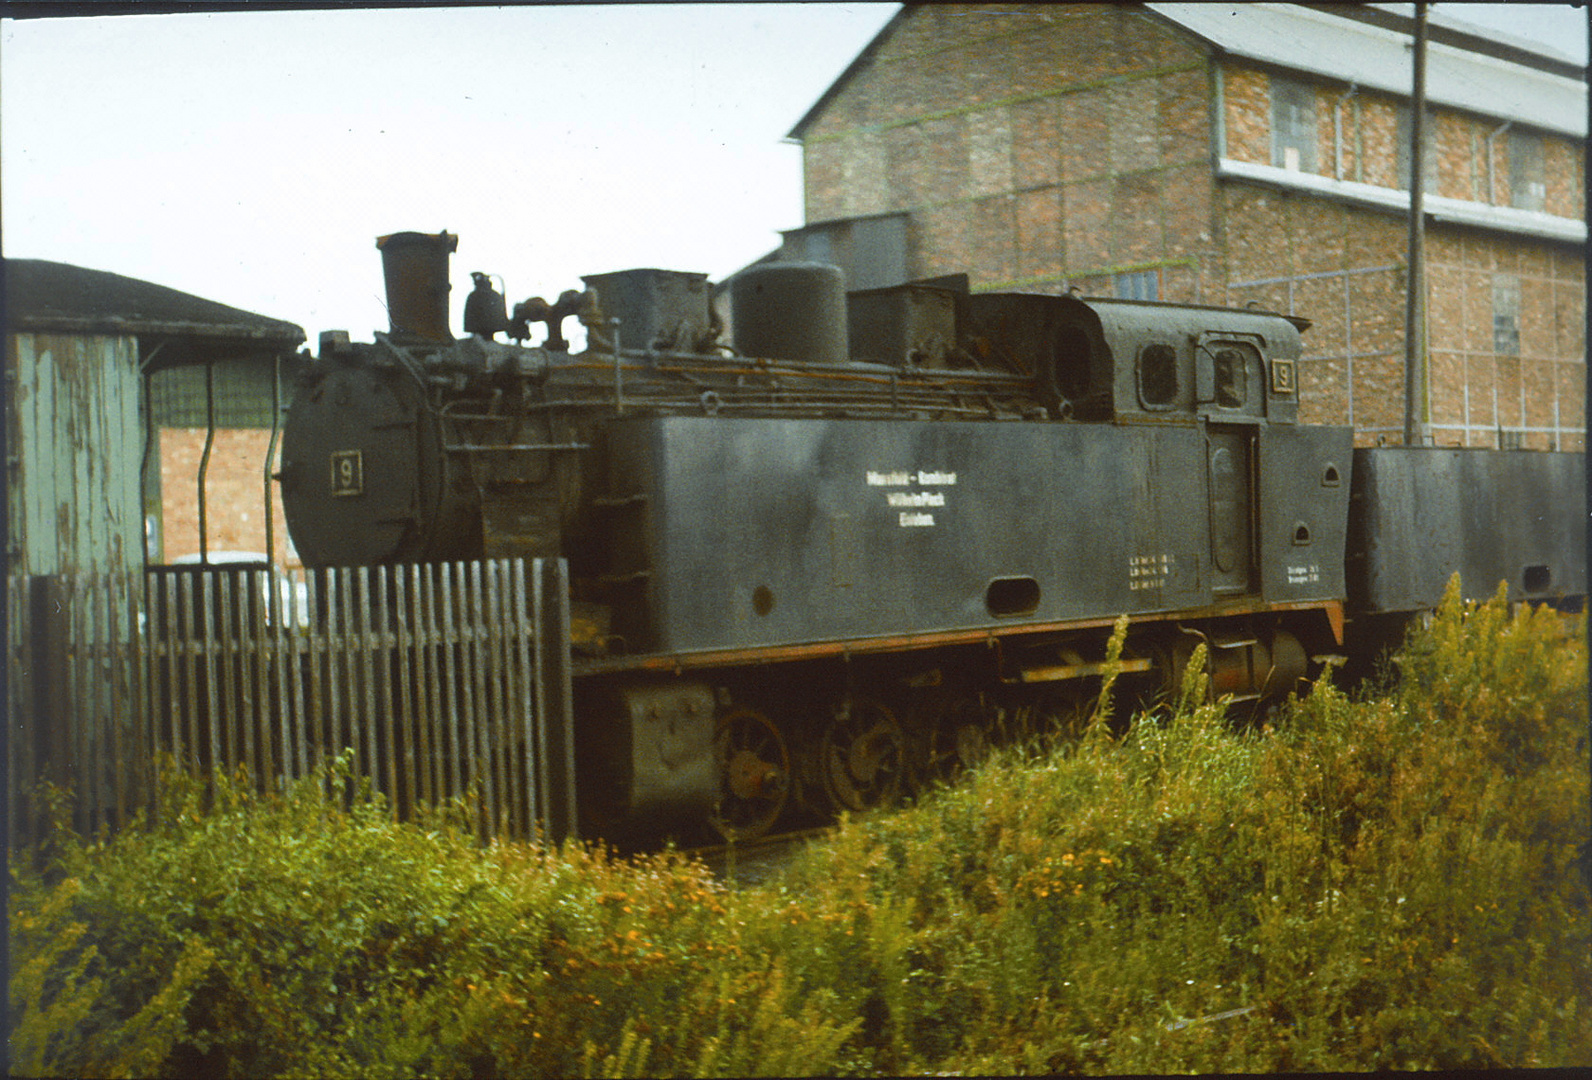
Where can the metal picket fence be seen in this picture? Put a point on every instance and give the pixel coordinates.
(441, 679)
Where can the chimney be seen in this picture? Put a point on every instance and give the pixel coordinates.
(416, 268)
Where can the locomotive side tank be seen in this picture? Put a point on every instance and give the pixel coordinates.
(779, 532)
(833, 548)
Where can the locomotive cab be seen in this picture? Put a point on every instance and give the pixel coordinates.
(1092, 358)
(1174, 362)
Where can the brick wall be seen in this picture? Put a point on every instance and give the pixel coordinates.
(1025, 160)
(1347, 266)
(1564, 166)
(1247, 118)
(234, 493)
(1367, 133)
(1039, 147)
(1359, 313)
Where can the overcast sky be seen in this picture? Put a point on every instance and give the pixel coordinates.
(253, 158)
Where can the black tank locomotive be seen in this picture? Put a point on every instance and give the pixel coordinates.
(822, 546)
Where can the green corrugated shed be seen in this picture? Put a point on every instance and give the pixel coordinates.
(75, 447)
(78, 343)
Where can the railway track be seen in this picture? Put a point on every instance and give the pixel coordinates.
(753, 862)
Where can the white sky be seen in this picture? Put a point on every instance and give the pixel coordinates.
(253, 158)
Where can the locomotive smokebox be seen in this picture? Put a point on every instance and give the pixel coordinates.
(791, 311)
(415, 266)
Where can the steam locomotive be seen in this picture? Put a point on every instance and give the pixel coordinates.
(822, 545)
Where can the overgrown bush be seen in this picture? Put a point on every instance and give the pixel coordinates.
(1392, 883)
(289, 937)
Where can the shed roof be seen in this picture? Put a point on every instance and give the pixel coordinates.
(1468, 68)
(1370, 46)
(48, 297)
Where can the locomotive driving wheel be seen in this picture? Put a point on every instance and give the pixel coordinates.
(863, 756)
(959, 740)
(755, 767)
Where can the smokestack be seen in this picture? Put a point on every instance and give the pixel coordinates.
(415, 266)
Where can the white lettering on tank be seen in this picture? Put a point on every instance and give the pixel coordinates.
(916, 498)
(902, 500)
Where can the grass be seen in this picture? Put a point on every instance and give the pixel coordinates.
(1393, 881)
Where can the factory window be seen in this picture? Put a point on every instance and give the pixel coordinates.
(1428, 156)
(1506, 315)
(1536, 578)
(1293, 125)
(1139, 285)
(1158, 376)
(240, 391)
(1527, 187)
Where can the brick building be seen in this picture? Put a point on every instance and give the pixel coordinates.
(1228, 154)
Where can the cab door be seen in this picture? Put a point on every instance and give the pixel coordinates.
(1231, 401)
(1230, 489)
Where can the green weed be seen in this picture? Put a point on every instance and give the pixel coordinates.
(1392, 882)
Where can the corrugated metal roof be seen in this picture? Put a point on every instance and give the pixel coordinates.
(52, 297)
(1378, 57)
(1440, 21)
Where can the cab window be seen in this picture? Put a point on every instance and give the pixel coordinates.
(1232, 378)
(1158, 376)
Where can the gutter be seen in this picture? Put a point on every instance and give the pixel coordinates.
(1437, 208)
(285, 334)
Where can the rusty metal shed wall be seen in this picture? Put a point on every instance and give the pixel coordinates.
(75, 450)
